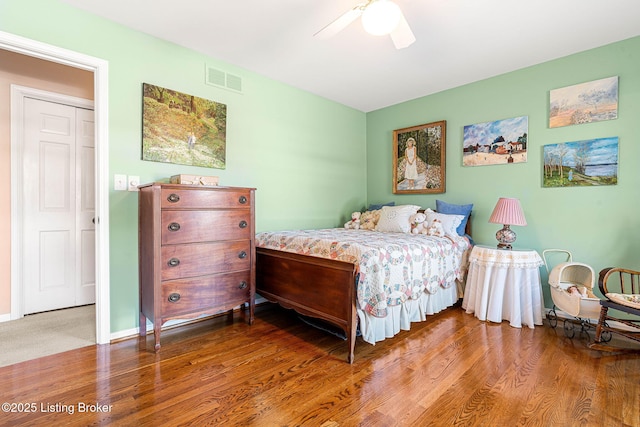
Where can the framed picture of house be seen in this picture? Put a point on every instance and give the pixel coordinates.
(183, 129)
(500, 142)
(419, 159)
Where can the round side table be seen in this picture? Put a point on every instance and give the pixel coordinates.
(504, 285)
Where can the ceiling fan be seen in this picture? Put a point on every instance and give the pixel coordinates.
(379, 17)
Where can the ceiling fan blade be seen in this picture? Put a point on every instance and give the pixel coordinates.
(402, 36)
(340, 23)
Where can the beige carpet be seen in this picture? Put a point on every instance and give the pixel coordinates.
(42, 334)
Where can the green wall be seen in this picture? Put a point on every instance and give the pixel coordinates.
(306, 155)
(303, 153)
(599, 225)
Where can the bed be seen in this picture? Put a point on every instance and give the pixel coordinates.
(383, 278)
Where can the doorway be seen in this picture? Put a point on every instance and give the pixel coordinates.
(56, 224)
(99, 68)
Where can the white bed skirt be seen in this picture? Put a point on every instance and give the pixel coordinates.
(400, 317)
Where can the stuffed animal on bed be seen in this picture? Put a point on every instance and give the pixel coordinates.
(418, 221)
(355, 221)
(369, 219)
(435, 228)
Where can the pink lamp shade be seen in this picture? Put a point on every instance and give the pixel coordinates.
(507, 212)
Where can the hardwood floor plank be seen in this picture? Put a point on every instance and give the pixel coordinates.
(450, 370)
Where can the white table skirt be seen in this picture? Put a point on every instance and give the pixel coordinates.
(504, 285)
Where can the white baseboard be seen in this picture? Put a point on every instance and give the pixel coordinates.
(133, 332)
(5, 317)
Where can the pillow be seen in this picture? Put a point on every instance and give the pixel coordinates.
(374, 207)
(450, 208)
(450, 223)
(396, 218)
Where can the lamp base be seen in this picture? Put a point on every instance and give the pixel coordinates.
(506, 236)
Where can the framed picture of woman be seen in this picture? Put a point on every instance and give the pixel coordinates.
(419, 159)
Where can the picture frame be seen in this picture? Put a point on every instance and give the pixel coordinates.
(584, 163)
(589, 102)
(426, 145)
(500, 142)
(182, 129)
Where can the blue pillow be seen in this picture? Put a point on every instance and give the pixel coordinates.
(373, 207)
(450, 208)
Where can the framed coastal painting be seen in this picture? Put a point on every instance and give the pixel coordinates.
(594, 101)
(182, 129)
(501, 142)
(419, 159)
(581, 163)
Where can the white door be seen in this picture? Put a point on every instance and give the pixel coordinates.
(58, 206)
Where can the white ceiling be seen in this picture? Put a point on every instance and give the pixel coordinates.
(458, 41)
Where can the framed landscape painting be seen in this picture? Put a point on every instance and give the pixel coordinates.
(500, 142)
(584, 103)
(419, 159)
(581, 163)
(183, 129)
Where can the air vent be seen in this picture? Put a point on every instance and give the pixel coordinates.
(215, 77)
(219, 78)
(234, 82)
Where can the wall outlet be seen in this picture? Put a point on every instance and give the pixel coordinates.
(119, 182)
(134, 181)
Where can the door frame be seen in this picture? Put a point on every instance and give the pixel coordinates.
(100, 69)
(18, 95)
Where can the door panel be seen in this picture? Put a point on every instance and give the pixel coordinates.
(58, 251)
(85, 208)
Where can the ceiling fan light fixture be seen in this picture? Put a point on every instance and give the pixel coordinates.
(381, 17)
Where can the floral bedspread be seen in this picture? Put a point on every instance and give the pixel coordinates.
(392, 267)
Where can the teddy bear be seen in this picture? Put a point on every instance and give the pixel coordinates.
(369, 219)
(417, 223)
(354, 223)
(435, 228)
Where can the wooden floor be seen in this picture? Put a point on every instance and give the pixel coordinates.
(451, 370)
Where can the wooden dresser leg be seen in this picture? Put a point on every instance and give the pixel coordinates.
(252, 306)
(156, 333)
(143, 325)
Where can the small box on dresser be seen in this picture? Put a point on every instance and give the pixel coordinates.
(196, 252)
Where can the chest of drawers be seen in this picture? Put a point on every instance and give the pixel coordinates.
(196, 252)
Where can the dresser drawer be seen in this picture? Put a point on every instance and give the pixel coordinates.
(182, 261)
(223, 291)
(205, 226)
(204, 198)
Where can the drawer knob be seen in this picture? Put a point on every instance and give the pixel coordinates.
(242, 200)
(242, 285)
(174, 262)
(174, 297)
(173, 198)
(242, 255)
(243, 224)
(174, 226)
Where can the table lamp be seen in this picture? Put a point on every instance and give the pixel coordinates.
(507, 212)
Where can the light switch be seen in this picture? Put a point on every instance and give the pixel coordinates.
(119, 182)
(134, 181)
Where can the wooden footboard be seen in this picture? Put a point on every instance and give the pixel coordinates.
(312, 286)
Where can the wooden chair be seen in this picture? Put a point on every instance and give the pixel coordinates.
(614, 283)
